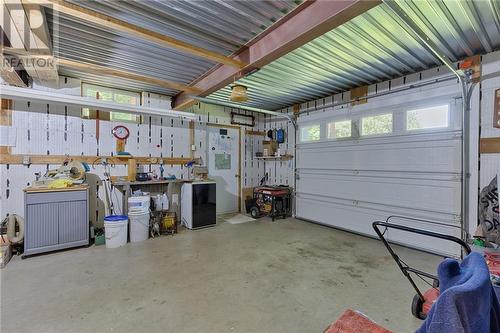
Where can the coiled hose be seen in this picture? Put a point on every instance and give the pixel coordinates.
(11, 221)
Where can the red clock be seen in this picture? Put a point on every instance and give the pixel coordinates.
(120, 132)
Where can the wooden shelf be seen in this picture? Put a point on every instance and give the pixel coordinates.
(275, 158)
(147, 182)
(6, 157)
(125, 157)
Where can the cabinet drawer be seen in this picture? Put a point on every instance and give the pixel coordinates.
(48, 197)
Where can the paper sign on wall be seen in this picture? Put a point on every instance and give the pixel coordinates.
(222, 161)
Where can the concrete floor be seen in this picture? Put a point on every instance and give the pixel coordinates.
(287, 276)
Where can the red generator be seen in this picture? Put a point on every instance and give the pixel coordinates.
(273, 201)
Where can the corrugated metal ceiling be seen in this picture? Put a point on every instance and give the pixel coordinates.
(88, 43)
(222, 26)
(371, 48)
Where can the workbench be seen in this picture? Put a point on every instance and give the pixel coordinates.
(151, 186)
(55, 218)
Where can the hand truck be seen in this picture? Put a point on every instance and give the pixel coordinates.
(422, 302)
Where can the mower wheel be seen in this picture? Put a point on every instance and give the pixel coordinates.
(417, 307)
(254, 212)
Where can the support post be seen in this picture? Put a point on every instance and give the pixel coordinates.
(464, 79)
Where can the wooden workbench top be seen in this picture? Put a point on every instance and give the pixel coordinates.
(62, 189)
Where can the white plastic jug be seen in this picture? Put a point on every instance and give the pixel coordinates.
(158, 203)
(164, 201)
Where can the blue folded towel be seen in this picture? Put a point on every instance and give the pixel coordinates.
(467, 302)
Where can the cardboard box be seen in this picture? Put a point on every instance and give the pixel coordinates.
(5, 254)
(247, 193)
(270, 147)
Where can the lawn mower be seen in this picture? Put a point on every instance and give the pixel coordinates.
(422, 302)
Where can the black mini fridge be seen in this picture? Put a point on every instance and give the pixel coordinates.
(198, 204)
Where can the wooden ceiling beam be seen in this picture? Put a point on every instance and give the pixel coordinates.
(310, 22)
(20, 52)
(119, 25)
(96, 69)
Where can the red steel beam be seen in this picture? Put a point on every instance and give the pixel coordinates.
(312, 21)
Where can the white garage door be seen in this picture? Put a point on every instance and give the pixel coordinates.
(361, 165)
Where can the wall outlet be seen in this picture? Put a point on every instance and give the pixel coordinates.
(26, 160)
(193, 147)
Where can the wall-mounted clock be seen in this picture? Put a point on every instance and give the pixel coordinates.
(121, 132)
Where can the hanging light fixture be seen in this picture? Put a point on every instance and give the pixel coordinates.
(238, 93)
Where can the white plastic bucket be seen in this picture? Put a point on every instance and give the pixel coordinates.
(139, 203)
(115, 230)
(139, 225)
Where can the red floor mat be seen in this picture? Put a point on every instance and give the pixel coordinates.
(354, 322)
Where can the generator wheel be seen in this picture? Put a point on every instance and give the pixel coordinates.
(254, 212)
(417, 307)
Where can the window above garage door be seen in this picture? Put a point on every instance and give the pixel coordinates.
(429, 117)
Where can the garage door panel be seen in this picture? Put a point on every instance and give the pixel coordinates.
(359, 219)
(439, 157)
(337, 215)
(426, 243)
(421, 194)
(303, 200)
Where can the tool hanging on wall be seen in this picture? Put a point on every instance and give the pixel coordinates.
(276, 134)
(97, 124)
(280, 135)
(270, 134)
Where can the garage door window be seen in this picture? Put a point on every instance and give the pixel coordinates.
(310, 133)
(376, 125)
(433, 117)
(339, 129)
